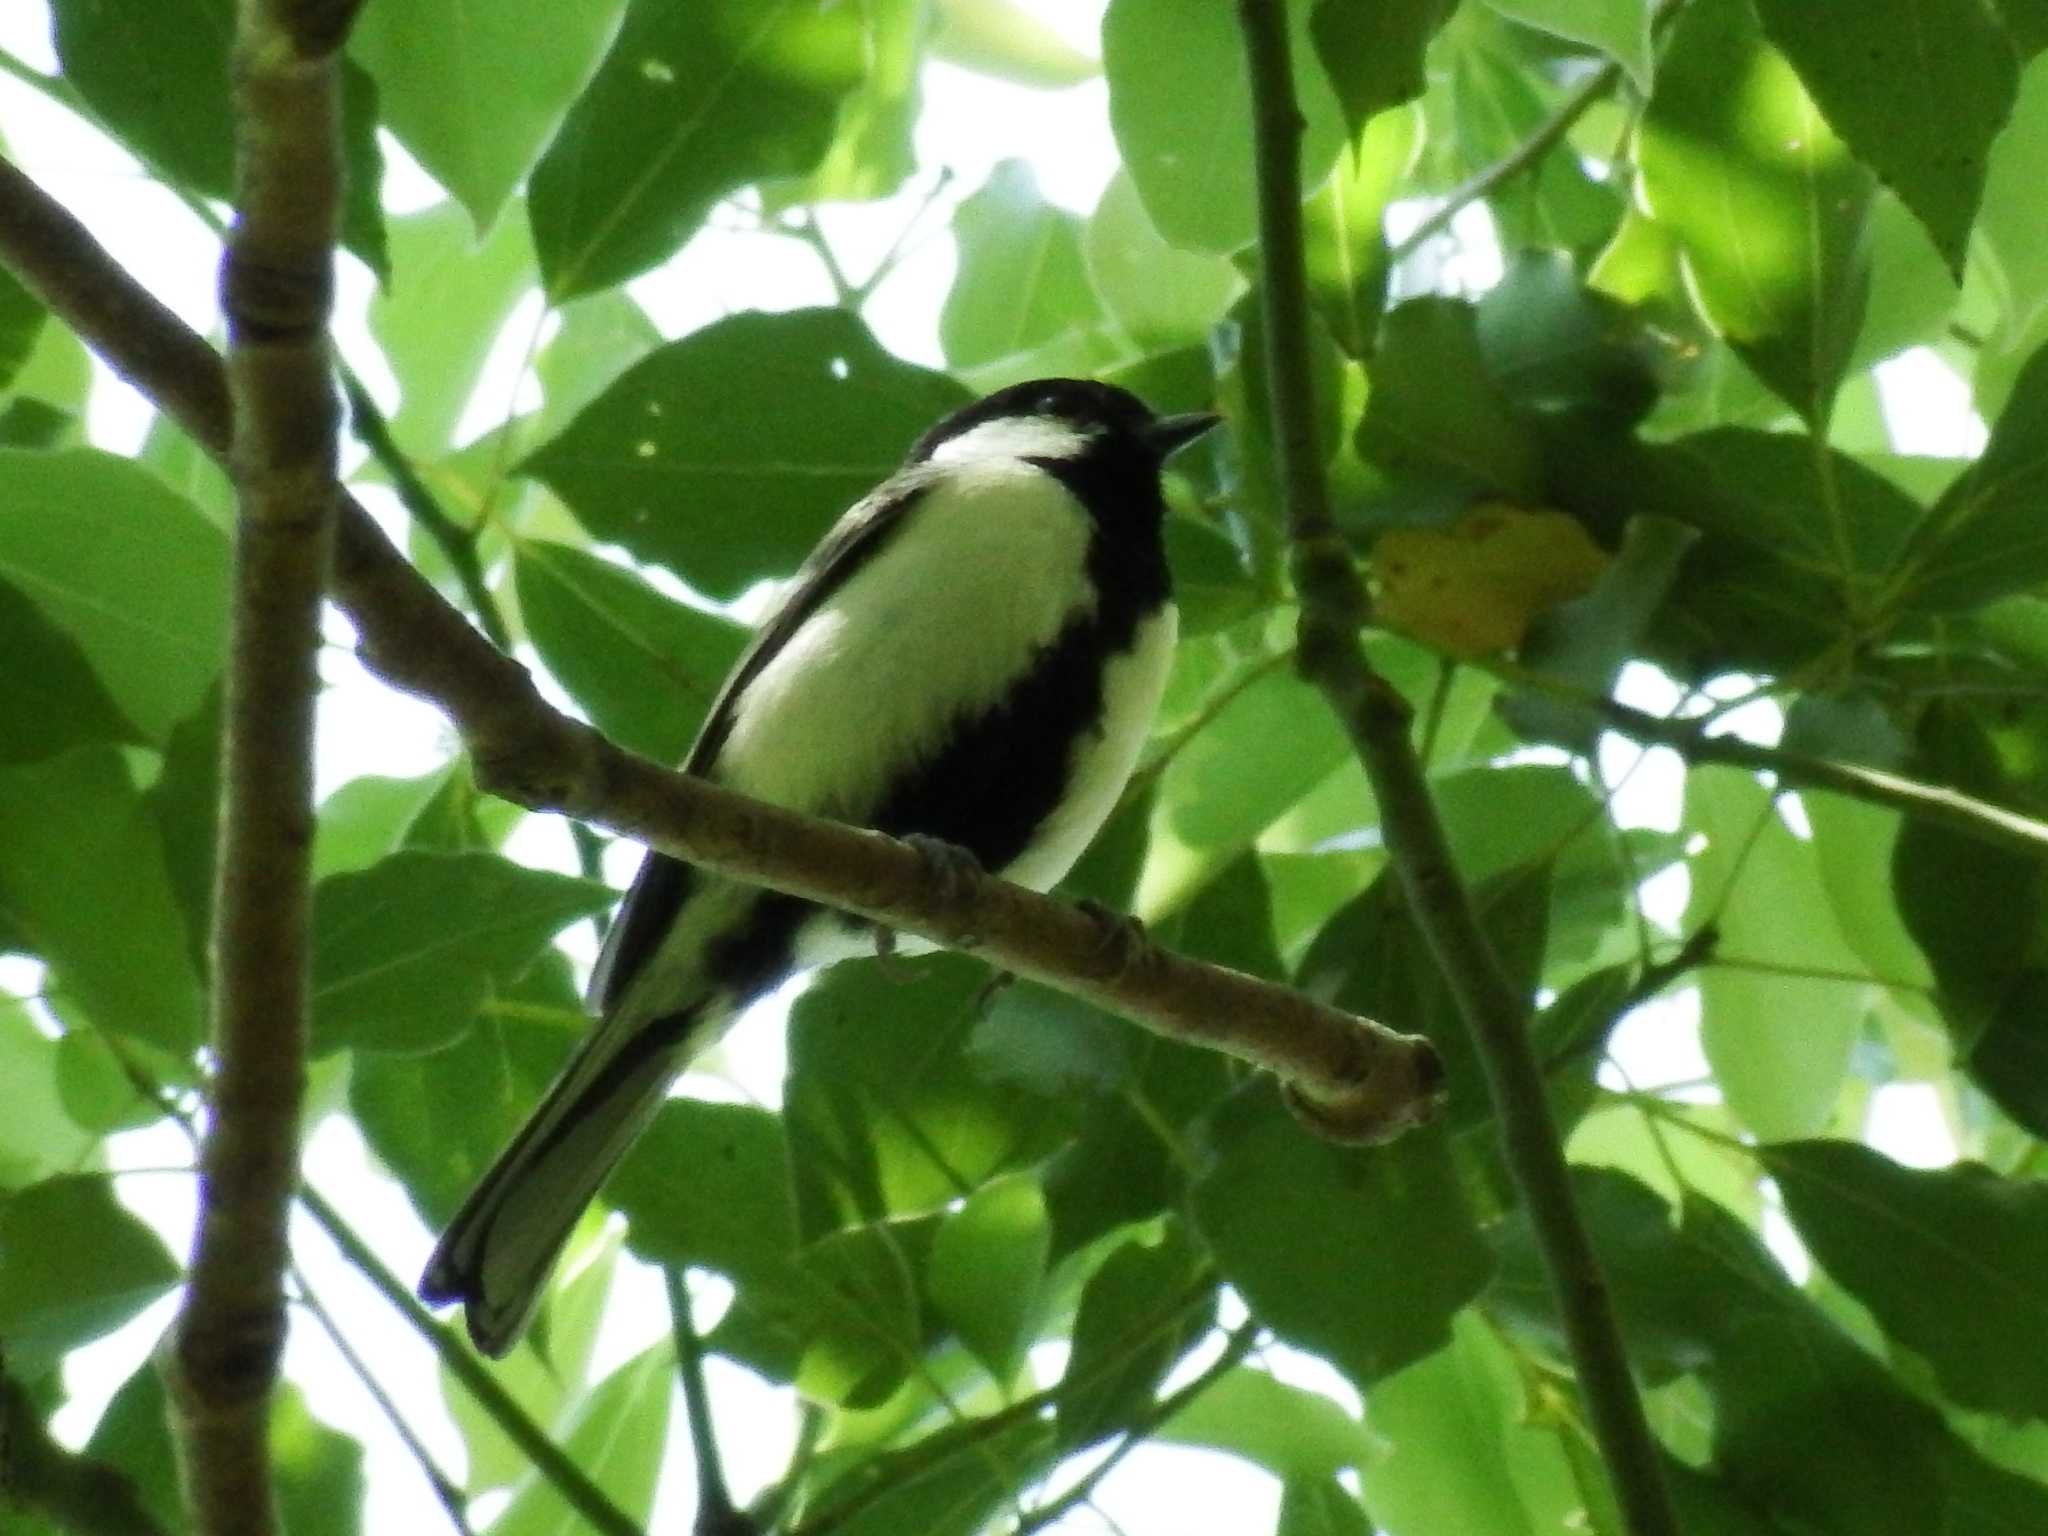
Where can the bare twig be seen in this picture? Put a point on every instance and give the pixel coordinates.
(1376, 718)
(220, 1359)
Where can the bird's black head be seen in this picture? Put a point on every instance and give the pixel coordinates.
(1060, 420)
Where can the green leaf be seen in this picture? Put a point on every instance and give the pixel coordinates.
(988, 1262)
(616, 1438)
(38, 1134)
(1371, 958)
(1121, 1352)
(1261, 753)
(1021, 282)
(185, 804)
(80, 862)
(439, 1120)
(1321, 1507)
(1908, 1243)
(1457, 1449)
(1161, 295)
(468, 93)
(1345, 248)
(1352, 1291)
(405, 951)
(21, 323)
(734, 1212)
(696, 99)
(133, 573)
(1002, 39)
(1435, 415)
(1764, 200)
(319, 1470)
(1552, 345)
(1211, 586)
(78, 1267)
(1918, 89)
(1586, 642)
(448, 299)
(886, 1113)
(1618, 28)
(134, 1436)
(645, 666)
(855, 1305)
(1779, 1044)
(1372, 50)
(1180, 106)
(157, 77)
(2010, 250)
(725, 455)
(957, 1495)
(872, 154)
(1983, 539)
(49, 695)
(1291, 1431)
(368, 817)
(1496, 108)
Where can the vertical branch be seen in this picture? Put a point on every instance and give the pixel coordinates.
(716, 1513)
(1376, 719)
(221, 1358)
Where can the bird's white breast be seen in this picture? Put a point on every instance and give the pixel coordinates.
(987, 570)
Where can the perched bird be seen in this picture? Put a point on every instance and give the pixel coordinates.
(972, 655)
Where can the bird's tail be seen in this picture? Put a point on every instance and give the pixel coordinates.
(495, 1256)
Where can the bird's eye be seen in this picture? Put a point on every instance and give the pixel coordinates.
(1047, 404)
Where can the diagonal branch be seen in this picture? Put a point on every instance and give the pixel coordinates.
(220, 1359)
(1351, 1077)
(1376, 718)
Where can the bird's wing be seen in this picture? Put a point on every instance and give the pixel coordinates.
(662, 885)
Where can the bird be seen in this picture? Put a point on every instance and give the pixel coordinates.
(971, 657)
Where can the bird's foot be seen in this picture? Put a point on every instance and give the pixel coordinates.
(1123, 937)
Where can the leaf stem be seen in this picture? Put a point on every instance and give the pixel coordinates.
(548, 1459)
(458, 545)
(716, 1513)
(1377, 719)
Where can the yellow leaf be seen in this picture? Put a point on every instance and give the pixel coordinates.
(1472, 588)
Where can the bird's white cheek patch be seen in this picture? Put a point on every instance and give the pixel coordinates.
(1102, 760)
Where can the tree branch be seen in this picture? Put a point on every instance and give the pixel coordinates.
(220, 1359)
(1376, 719)
(1352, 1078)
(75, 1493)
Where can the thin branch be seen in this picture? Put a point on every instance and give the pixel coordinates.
(1352, 1078)
(1930, 802)
(1376, 719)
(446, 1490)
(220, 1360)
(73, 1492)
(1241, 1342)
(717, 1515)
(548, 1459)
(456, 543)
(1546, 136)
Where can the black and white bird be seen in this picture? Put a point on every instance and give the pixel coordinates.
(973, 654)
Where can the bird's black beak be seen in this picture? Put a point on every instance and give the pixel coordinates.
(1170, 434)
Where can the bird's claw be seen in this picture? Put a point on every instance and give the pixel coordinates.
(1123, 937)
(954, 872)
